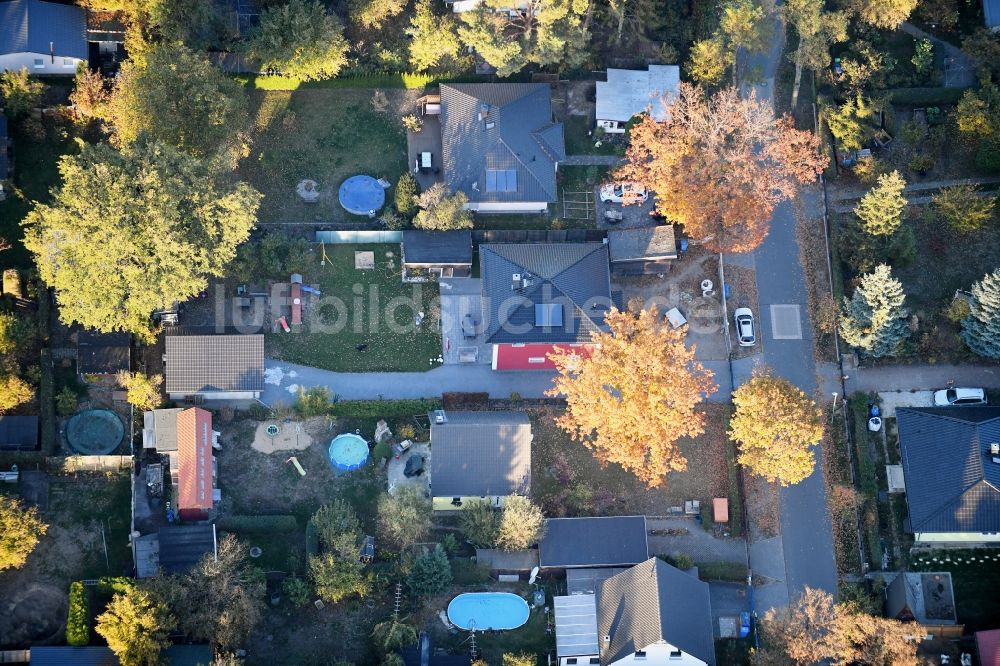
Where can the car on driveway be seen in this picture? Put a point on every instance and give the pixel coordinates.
(746, 331)
(622, 192)
(959, 396)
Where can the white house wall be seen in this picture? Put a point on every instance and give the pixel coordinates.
(526, 207)
(962, 538)
(659, 655)
(16, 61)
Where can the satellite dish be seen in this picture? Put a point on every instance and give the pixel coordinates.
(534, 575)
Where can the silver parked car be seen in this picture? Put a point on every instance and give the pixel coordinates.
(745, 330)
(959, 396)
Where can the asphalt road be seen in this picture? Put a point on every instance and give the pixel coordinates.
(806, 530)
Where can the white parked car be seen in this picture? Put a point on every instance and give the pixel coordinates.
(745, 331)
(619, 192)
(959, 396)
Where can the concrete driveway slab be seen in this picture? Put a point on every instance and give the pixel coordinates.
(396, 466)
(894, 399)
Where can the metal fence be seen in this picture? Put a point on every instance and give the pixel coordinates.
(358, 237)
(66, 464)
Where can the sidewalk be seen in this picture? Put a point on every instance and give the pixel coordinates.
(921, 377)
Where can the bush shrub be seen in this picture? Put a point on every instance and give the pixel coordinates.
(276, 523)
(463, 400)
(385, 409)
(382, 451)
(112, 585)
(925, 96)
(78, 621)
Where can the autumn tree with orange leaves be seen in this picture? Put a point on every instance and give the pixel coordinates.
(635, 396)
(813, 629)
(720, 164)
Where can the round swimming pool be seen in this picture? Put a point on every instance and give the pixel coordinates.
(361, 195)
(94, 432)
(488, 610)
(347, 452)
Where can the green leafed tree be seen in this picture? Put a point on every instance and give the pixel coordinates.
(708, 61)
(177, 97)
(197, 24)
(817, 30)
(20, 92)
(440, 211)
(14, 391)
(882, 208)
(299, 39)
(885, 14)
(521, 524)
(433, 37)
(745, 28)
(430, 573)
(143, 391)
(372, 14)
(404, 518)
(964, 207)
(131, 232)
(337, 577)
(479, 524)
(136, 625)
(874, 319)
(851, 122)
(338, 527)
(20, 530)
(776, 426)
(981, 329)
(406, 193)
(392, 635)
(486, 31)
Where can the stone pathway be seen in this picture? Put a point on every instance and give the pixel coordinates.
(698, 543)
(851, 195)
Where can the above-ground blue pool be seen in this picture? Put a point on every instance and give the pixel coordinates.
(488, 610)
(361, 195)
(347, 452)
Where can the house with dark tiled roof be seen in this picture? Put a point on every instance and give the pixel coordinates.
(214, 367)
(501, 146)
(442, 254)
(537, 297)
(479, 457)
(651, 614)
(951, 470)
(44, 37)
(586, 543)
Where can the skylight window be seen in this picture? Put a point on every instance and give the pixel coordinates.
(501, 180)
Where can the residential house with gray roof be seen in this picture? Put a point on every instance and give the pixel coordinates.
(501, 145)
(214, 367)
(651, 614)
(44, 37)
(538, 297)
(479, 456)
(951, 469)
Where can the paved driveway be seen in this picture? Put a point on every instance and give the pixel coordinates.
(282, 382)
(698, 543)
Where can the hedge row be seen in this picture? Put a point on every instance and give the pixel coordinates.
(109, 586)
(78, 621)
(925, 96)
(277, 523)
(382, 409)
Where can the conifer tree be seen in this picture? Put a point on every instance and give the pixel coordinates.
(874, 319)
(981, 329)
(881, 209)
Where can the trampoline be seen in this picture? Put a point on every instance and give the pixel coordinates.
(94, 432)
(362, 195)
(348, 452)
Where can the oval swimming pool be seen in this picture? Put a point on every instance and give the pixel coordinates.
(488, 610)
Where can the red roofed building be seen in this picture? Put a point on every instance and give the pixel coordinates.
(532, 356)
(988, 645)
(195, 481)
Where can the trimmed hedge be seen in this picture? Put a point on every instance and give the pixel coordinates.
(78, 621)
(278, 523)
(925, 96)
(382, 409)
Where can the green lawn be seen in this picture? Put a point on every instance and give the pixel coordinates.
(372, 308)
(323, 134)
(578, 142)
(35, 172)
(975, 576)
(582, 178)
